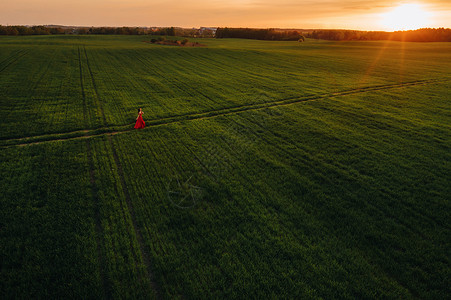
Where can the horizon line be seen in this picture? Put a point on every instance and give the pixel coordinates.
(281, 28)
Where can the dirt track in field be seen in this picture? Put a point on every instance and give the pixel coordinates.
(107, 131)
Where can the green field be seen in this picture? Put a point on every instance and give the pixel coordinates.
(267, 169)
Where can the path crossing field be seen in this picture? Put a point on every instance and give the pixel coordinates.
(267, 169)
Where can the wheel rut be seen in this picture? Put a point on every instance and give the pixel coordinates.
(106, 285)
(131, 209)
(108, 131)
(144, 253)
(12, 60)
(99, 101)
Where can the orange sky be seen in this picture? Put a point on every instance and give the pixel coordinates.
(346, 14)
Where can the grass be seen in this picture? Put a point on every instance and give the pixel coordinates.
(270, 169)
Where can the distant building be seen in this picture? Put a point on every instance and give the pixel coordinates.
(207, 30)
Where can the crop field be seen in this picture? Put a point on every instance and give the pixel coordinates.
(266, 169)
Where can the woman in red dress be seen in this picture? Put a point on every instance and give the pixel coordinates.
(139, 120)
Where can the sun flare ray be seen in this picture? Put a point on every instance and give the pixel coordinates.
(407, 16)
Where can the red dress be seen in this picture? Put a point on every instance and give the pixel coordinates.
(140, 122)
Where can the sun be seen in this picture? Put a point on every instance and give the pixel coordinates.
(406, 17)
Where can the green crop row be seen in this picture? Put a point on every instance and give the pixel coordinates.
(48, 245)
(46, 81)
(222, 196)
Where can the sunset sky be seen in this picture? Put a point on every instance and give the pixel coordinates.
(343, 14)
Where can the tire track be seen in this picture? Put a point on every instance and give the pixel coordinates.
(99, 101)
(33, 94)
(128, 200)
(139, 236)
(31, 140)
(13, 60)
(95, 196)
(82, 88)
(11, 56)
(98, 226)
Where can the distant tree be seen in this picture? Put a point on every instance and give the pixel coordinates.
(120, 30)
(56, 30)
(188, 32)
(419, 35)
(40, 30)
(24, 30)
(82, 31)
(258, 34)
(10, 30)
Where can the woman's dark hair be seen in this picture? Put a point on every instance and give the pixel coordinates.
(139, 109)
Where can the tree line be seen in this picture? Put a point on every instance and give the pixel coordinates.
(259, 34)
(33, 30)
(48, 30)
(54, 29)
(419, 35)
